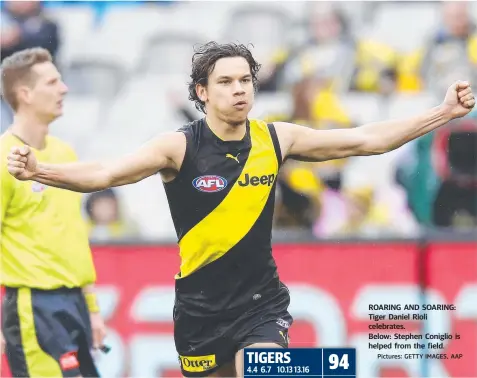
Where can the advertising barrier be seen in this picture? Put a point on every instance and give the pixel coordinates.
(337, 291)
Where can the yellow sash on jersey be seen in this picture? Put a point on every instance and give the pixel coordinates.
(229, 222)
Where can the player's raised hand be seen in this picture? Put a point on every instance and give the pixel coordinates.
(22, 163)
(459, 99)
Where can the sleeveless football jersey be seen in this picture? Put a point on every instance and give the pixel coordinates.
(222, 203)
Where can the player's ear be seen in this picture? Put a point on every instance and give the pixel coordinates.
(23, 93)
(201, 92)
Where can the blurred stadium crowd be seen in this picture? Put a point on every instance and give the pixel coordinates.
(324, 65)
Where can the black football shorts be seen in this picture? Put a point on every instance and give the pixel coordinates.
(205, 343)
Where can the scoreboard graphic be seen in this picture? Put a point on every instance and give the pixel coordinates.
(300, 362)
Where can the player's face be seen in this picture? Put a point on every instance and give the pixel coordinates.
(229, 93)
(45, 95)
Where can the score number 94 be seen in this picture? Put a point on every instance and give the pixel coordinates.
(336, 362)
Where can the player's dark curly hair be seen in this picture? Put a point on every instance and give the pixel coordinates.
(203, 63)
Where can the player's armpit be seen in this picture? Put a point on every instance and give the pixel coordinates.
(163, 152)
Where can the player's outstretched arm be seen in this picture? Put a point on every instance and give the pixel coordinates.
(164, 152)
(304, 143)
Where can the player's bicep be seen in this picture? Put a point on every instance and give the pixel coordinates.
(154, 156)
(319, 145)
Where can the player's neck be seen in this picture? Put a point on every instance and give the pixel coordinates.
(226, 131)
(30, 130)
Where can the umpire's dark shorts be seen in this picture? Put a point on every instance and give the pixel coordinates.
(47, 333)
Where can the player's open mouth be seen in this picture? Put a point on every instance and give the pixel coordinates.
(240, 104)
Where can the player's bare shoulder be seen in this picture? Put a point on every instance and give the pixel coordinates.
(189, 134)
(174, 144)
(285, 134)
(167, 150)
(177, 146)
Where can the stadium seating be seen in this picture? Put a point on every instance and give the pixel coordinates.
(127, 72)
(363, 107)
(74, 25)
(80, 122)
(390, 18)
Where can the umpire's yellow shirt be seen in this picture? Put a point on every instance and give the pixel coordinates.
(44, 241)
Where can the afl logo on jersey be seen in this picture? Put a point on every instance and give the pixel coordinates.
(37, 187)
(209, 183)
